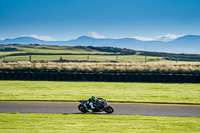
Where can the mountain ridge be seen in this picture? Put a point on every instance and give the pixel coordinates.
(184, 44)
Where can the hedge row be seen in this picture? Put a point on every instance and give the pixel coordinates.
(107, 77)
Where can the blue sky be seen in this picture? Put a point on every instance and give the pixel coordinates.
(69, 19)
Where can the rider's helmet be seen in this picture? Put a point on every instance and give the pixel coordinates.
(93, 99)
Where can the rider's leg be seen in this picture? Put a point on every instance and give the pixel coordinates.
(89, 110)
(91, 105)
(85, 105)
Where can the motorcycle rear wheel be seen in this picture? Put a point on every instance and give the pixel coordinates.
(109, 110)
(82, 108)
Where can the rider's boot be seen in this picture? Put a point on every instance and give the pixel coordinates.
(90, 111)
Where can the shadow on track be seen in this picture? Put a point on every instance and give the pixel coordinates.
(87, 113)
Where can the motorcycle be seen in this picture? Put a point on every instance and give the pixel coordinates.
(100, 106)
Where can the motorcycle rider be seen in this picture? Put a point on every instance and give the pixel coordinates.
(90, 102)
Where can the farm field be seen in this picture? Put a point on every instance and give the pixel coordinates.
(60, 51)
(43, 123)
(64, 49)
(105, 58)
(124, 55)
(46, 49)
(117, 92)
(7, 53)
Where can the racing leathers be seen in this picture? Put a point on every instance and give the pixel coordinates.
(89, 104)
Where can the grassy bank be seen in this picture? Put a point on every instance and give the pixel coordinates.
(124, 92)
(42, 123)
(106, 67)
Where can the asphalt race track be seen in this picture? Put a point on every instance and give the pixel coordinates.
(175, 110)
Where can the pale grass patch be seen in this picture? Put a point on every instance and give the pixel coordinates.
(103, 66)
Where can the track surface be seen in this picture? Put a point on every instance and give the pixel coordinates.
(120, 108)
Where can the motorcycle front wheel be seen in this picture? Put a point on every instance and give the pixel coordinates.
(109, 110)
(82, 108)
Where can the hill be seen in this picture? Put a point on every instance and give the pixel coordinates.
(17, 51)
(185, 44)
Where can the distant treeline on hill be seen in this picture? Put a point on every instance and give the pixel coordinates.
(172, 56)
(109, 49)
(8, 49)
(120, 51)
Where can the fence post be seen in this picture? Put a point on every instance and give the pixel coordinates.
(88, 58)
(30, 58)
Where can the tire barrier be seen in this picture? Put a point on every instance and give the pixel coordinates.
(105, 77)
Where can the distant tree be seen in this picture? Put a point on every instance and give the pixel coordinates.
(8, 49)
(114, 50)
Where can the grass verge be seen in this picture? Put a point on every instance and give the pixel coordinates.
(42, 123)
(123, 92)
(121, 58)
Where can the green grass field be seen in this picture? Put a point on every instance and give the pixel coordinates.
(7, 53)
(123, 92)
(78, 50)
(49, 49)
(32, 50)
(105, 58)
(121, 58)
(60, 123)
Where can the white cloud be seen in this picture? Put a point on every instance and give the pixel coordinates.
(3, 38)
(168, 37)
(44, 38)
(164, 38)
(143, 38)
(95, 35)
